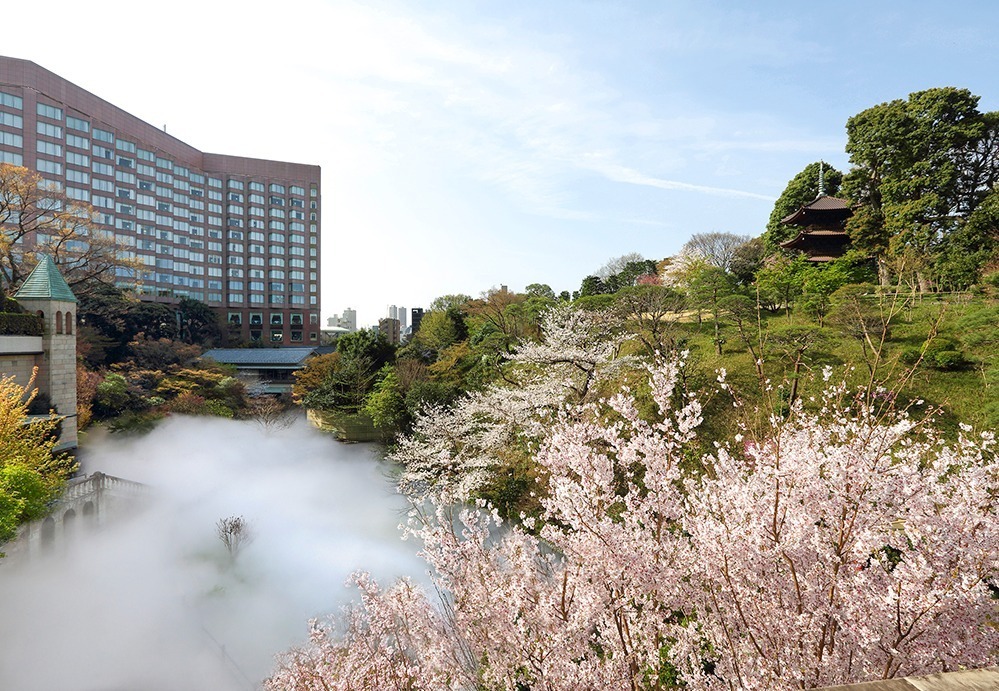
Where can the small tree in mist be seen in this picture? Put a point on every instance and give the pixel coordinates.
(270, 413)
(234, 532)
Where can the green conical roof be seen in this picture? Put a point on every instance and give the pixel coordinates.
(45, 283)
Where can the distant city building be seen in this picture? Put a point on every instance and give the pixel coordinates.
(403, 321)
(240, 234)
(389, 328)
(346, 321)
(417, 316)
(393, 312)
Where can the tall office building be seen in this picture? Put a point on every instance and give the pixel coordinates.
(240, 234)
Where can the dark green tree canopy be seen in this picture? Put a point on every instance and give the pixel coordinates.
(921, 167)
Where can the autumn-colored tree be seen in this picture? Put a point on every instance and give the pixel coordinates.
(38, 217)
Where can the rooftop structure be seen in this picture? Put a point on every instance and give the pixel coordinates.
(822, 228)
(240, 234)
(268, 370)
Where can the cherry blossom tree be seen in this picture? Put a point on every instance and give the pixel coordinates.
(848, 546)
(453, 450)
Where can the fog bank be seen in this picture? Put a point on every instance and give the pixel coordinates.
(148, 601)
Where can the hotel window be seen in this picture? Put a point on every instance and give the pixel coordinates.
(77, 124)
(235, 197)
(235, 318)
(126, 162)
(103, 136)
(48, 129)
(48, 111)
(235, 285)
(274, 187)
(235, 184)
(78, 159)
(11, 139)
(103, 152)
(164, 163)
(11, 158)
(49, 148)
(78, 194)
(235, 298)
(276, 213)
(296, 336)
(11, 101)
(78, 176)
(146, 155)
(11, 120)
(277, 319)
(257, 285)
(126, 146)
(276, 336)
(49, 166)
(276, 201)
(256, 299)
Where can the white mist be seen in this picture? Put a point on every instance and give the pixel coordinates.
(149, 602)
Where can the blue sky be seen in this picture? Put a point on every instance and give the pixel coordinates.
(468, 144)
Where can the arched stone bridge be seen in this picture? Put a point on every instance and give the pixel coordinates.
(86, 503)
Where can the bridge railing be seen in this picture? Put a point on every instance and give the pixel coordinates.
(79, 488)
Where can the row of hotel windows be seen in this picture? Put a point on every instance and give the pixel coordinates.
(81, 125)
(275, 319)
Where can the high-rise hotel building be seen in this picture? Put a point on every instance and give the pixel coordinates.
(240, 234)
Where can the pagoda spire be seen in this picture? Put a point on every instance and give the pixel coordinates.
(822, 178)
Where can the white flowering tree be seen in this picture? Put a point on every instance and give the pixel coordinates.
(452, 451)
(847, 547)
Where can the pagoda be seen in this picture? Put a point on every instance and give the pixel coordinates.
(822, 227)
